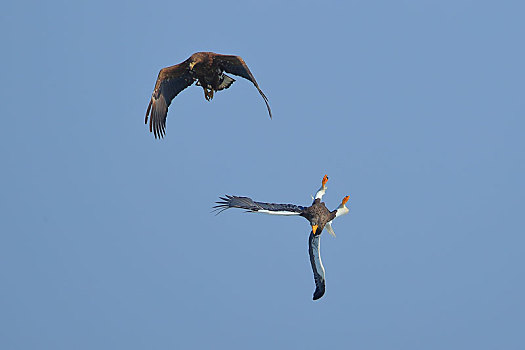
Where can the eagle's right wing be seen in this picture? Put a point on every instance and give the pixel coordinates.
(170, 82)
(257, 207)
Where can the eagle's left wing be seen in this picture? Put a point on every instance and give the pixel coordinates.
(317, 265)
(236, 65)
(257, 207)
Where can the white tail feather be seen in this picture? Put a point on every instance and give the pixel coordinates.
(329, 228)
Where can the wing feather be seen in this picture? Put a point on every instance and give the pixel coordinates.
(314, 243)
(170, 82)
(236, 65)
(257, 207)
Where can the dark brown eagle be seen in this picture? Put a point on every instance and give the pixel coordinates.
(207, 68)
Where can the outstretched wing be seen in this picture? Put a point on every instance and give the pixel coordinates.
(314, 243)
(257, 207)
(170, 82)
(236, 65)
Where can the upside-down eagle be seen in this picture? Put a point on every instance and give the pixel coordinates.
(207, 68)
(317, 214)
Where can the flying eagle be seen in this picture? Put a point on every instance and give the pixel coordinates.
(317, 214)
(207, 68)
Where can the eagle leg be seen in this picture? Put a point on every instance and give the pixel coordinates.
(208, 94)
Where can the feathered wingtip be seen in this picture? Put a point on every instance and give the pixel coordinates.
(319, 292)
(222, 205)
(148, 110)
(236, 202)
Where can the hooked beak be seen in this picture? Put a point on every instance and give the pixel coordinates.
(314, 228)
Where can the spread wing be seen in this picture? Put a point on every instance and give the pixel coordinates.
(257, 207)
(314, 243)
(236, 65)
(170, 82)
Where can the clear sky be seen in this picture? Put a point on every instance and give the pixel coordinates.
(413, 108)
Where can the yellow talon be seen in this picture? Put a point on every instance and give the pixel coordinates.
(325, 180)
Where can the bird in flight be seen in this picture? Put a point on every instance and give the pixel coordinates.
(207, 68)
(317, 214)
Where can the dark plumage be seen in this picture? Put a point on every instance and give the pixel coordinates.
(207, 68)
(251, 206)
(318, 215)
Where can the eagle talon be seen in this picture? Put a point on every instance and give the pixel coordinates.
(208, 94)
(325, 180)
(320, 192)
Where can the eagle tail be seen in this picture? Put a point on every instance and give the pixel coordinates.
(226, 82)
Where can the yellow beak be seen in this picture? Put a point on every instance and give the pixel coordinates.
(314, 228)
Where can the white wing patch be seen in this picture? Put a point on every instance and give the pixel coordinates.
(316, 249)
(282, 212)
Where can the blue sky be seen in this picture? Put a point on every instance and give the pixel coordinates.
(413, 108)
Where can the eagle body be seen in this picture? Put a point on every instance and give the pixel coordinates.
(209, 73)
(319, 215)
(205, 68)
